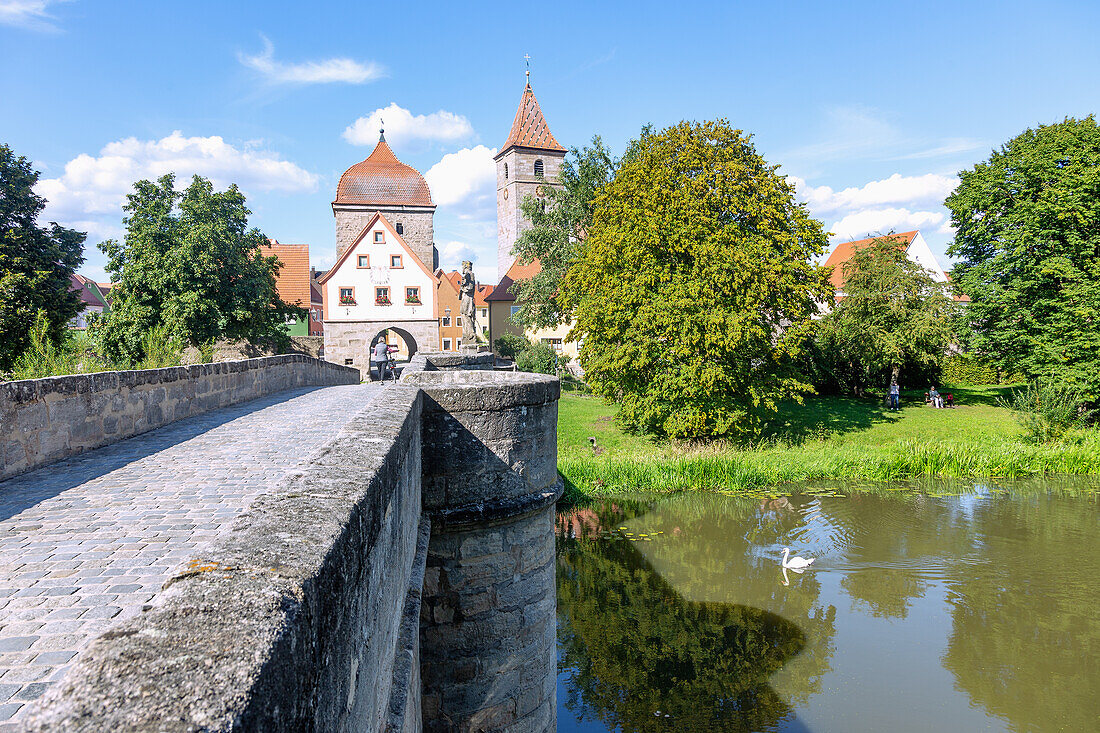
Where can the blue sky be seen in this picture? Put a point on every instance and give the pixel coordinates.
(873, 107)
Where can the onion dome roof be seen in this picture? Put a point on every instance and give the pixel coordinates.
(382, 179)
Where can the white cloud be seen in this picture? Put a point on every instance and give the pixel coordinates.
(403, 127)
(92, 189)
(347, 71)
(452, 254)
(870, 222)
(30, 14)
(929, 188)
(467, 178)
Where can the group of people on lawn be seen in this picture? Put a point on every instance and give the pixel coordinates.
(932, 397)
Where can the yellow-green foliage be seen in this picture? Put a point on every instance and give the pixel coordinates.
(963, 370)
(697, 251)
(826, 438)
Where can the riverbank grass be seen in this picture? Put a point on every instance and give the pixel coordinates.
(825, 438)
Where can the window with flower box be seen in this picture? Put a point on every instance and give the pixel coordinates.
(381, 296)
(412, 296)
(347, 296)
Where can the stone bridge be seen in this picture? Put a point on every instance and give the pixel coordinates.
(271, 545)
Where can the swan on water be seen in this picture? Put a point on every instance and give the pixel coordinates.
(795, 563)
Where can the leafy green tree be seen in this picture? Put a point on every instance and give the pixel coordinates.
(559, 219)
(36, 263)
(1028, 231)
(190, 262)
(695, 286)
(893, 317)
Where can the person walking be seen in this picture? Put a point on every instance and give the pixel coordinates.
(895, 394)
(380, 357)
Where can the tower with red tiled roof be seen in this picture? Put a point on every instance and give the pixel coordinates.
(384, 184)
(530, 158)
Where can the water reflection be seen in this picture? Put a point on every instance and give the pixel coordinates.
(641, 657)
(954, 612)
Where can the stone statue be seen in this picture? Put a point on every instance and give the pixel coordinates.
(467, 287)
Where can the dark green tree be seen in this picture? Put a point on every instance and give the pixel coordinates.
(695, 286)
(190, 262)
(1028, 231)
(893, 317)
(36, 263)
(559, 219)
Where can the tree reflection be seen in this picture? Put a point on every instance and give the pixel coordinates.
(1025, 638)
(637, 651)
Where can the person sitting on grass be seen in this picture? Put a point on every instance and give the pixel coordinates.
(895, 394)
(950, 400)
(937, 401)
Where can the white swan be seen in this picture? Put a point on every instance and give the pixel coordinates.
(795, 563)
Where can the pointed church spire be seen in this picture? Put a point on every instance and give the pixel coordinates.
(529, 129)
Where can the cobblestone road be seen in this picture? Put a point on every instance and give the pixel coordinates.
(88, 541)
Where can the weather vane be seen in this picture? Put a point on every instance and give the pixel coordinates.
(381, 128)
(527, 58)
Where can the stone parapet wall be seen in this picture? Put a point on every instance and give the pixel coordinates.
(45, 420)
(401, 580)
(302, 617)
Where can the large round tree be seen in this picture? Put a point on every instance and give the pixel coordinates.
(695, 284)
(1028, 232)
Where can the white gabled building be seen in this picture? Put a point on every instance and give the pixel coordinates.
(383, 283)
(378, 285)
(916, 250)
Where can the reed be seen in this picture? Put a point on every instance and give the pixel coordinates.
(992, 447)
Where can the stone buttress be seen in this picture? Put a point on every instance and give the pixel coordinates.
(488, 613)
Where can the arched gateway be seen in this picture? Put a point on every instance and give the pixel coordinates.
(407, 347)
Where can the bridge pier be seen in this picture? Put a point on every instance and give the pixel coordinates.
(487, 647)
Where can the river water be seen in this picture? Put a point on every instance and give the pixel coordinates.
(922, 612)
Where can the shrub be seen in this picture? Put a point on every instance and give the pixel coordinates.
(1047, 409)
(510, 345)
(538, 358)
(161, 348)
(962, 370)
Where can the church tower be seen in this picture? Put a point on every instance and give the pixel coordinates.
(529, 158)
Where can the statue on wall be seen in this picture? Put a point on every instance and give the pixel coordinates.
(467, 288)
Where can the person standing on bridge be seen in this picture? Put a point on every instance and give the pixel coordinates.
(381, 357)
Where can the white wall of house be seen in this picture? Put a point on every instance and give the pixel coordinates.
(919, 252)
(379, 259)
(81, 319)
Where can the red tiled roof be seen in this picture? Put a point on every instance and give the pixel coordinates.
(382, 179)
(292, 282)
(482, 294)
(845, 250)
(517, 271)
(529, 129)
(89, 291)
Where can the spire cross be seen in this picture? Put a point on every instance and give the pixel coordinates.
(527, 59)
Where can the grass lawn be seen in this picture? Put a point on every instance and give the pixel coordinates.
(824, 438)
